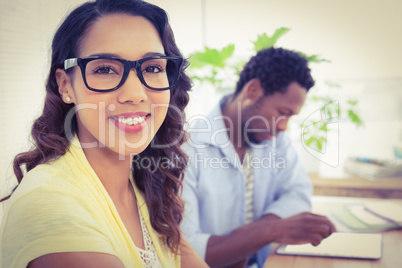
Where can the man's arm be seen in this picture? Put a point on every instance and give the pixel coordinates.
(246, 240)
(190, 226)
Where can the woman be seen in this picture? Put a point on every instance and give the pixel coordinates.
(114, 98)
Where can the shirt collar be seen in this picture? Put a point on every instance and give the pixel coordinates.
(211, 129)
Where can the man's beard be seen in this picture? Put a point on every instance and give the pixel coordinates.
(251, 138)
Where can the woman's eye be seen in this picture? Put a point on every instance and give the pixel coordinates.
(153, 69)
(104, 70)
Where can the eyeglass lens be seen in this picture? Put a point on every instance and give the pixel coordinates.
(104, 74)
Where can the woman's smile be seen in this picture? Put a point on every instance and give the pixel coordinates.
(131, 122)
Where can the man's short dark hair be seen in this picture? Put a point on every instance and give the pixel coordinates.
(276, 68)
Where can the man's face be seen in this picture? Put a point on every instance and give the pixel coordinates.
(269, 115)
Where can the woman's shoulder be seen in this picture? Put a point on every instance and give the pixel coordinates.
(46, 175)
(48, 212)
(47, 194)
(49, 183)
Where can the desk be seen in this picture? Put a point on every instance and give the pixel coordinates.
(392, 243)
(357, 187)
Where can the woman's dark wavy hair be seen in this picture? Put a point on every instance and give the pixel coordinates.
(276, 68)
(161, 185)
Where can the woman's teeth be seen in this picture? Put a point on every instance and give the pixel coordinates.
(131, 121)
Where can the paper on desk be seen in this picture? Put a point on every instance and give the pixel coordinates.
(361, 212)
(346, 245)
(389, 210)
(359, 218)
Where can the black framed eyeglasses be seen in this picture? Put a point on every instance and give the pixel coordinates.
(105, 74)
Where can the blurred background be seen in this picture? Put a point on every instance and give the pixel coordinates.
(361, 39)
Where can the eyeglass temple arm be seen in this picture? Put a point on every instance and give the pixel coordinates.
(70, 63)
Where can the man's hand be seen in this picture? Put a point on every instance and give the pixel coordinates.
(244, 241)
(300, 229)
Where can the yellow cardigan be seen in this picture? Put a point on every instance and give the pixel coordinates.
(63, 207)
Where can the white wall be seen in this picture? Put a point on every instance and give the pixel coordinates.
(361, 37)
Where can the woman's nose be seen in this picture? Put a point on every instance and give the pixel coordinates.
(132, 90)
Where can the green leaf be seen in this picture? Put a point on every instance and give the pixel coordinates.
(212, 57)
(329, 113)
(319, 145)
(354, 118)
(279, 33)
(332, 84)
(264, 41)
(198, 60)
(227, 51)
(352, 102)
(324, 127)
(322, 139)
(316, 59)
(338, 110)
(310, 141)
(315, 98)
(313, 58)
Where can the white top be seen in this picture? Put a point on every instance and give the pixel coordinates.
(148, 256)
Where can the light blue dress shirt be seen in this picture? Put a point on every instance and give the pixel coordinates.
(214, 183)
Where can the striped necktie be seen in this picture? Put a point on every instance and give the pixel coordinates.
(249, 186)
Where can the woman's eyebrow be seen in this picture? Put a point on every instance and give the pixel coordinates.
(152, 54)
(109, 55)
(112, 55)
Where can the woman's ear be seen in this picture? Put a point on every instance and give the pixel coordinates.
(252, 92)
(65, 88)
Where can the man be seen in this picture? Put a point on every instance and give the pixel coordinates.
(245, 187)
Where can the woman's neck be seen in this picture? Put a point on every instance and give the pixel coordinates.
(113, 172)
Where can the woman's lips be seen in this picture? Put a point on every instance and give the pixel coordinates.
(131, 123)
